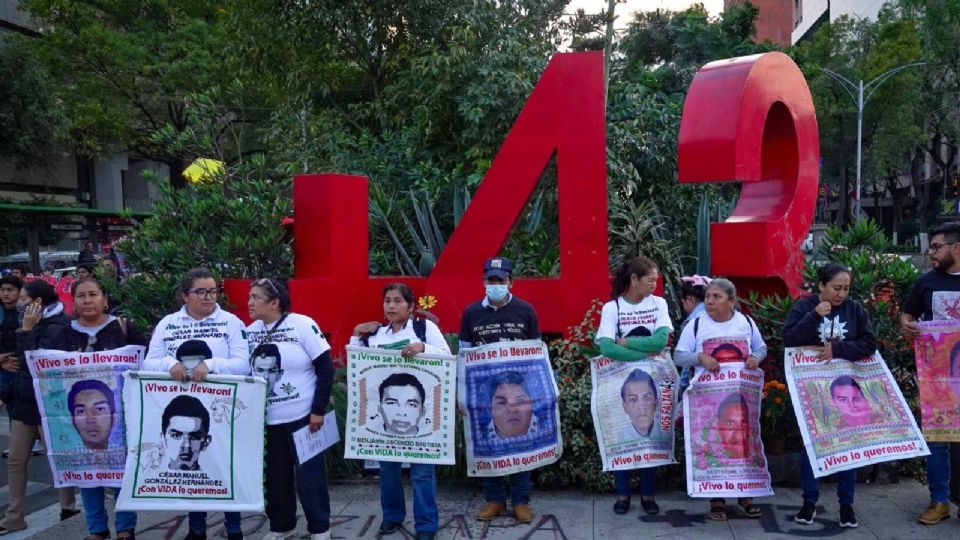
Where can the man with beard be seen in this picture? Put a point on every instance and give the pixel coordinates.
(936, 296)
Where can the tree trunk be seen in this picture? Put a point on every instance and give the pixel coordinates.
(177, 180)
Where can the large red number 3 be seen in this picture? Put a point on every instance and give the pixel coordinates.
(564, 115)
(752, 120)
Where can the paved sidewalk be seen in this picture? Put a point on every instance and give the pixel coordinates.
(885, 511)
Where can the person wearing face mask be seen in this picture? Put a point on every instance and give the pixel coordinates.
(500, 316)
(201, 318)
(839, 328)
(42, 320)
(633, 326)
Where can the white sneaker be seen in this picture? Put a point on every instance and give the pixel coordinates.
(280, 535)
(320, 536)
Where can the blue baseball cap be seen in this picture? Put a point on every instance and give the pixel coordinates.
(499, 267)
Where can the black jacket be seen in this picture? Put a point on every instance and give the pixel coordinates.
(111, 336)
(849, 321)
(20, 390)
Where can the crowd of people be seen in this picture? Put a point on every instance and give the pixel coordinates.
(202, 339)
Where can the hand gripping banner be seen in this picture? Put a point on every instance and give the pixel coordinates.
(512, 421)
(193, 446)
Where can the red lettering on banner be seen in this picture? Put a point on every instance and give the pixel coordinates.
(752, 120)
(564, 115)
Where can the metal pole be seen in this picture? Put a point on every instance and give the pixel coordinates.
(859, 144)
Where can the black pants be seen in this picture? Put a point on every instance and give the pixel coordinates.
(285, 479)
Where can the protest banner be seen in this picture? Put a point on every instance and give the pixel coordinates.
(193, 446)
(634, 408)
(851, 413)
(721, 413)
(510, 395)
(400, 409)
(78, 394)
(938, 377)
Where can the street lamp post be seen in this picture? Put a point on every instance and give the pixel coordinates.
(861, 101)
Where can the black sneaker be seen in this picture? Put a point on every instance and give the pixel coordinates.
(650, 506)
(806, 514)
(66, 513)
(191, 535)
(622, 506)
(848, 518)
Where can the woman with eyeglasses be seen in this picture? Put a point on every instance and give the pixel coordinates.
(411, 337)
(290, 353)
(94, 330)
(43, 319)
(200, 318)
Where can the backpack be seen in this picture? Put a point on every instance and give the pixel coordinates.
(696, 324)
(419, 328)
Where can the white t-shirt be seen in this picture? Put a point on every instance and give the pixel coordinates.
(222, 331)
(386, 338)
(737, 327)
(651, 313)
(291, 377)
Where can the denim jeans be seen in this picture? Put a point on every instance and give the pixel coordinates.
(424, 479)
(683, 383)
(495, 488)
(95, 511)
(846, 482)
(648, 482)
(286, 478)
(938, 471)
(198, 522)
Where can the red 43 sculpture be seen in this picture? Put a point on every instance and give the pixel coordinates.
(769, 144)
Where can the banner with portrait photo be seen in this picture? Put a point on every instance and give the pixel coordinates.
(400, 409)
(79, 397)
(193, 446)
(721, 413)
(938, 377)
(634, 408)
(513, 419)
(851, 414)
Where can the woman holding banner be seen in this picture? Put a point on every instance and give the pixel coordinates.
(722, 320)
(633, 326)
(94, 330)
(290, 352)
(840, 328)
(200, 319)
(43, 318)
(412, 337)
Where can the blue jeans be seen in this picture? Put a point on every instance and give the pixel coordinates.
(197, 521)
(424, 479)
(683, 382)
(286, 478)
(96, 512)
(495, 488)
(648, 481)
(938, 471)
(846, 482)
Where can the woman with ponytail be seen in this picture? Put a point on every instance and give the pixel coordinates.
(634, 325)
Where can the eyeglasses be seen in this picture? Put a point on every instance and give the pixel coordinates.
(936, 246)
(205, 293)
(266, 281)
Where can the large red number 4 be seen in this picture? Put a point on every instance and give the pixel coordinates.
(752, 120)
(564, 115)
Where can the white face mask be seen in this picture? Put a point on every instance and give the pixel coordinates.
(496, 293)
(191, 362)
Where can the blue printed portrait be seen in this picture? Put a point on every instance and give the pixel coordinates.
(511, 408)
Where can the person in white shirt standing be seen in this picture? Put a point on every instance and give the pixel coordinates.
(412, 337)
(201, 318)
(289, 351)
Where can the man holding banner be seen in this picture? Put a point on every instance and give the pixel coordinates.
(499, 317)
(936, 297)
